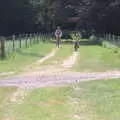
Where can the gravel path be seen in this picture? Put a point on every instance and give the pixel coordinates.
(56, 75)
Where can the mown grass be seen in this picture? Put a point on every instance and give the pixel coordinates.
(99, 100)
(43, 104)
(5, 93)
(20, 59)
(97, 58)
(93, 100)
(63, 53)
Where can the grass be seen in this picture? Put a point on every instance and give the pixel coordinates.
(24, 57)
(43, 104)
(64, 52)
(93, 100)
(99, 100)
(96, 58)
(5, 92)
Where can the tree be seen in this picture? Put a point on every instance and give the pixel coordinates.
(16, 16)
(44, 15)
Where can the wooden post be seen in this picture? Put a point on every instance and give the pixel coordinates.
(43, 38)
(113, 39)
(26, 39)
(34, 38)
(37, 38)
(118, 41)
(40, 37)
(109, 37)
(20, 41)
(13, 38)
(2, 47)
(30, 39)
(105, 37)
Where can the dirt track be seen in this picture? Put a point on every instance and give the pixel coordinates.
(56, 75)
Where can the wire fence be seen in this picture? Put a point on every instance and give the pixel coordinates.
(13, 43)
(110, 40)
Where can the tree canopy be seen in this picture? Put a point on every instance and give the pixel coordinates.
(43, 15)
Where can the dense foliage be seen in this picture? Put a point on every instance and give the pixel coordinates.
(36, 15)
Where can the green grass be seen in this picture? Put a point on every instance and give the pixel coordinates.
(63, 53)
(99, 100)
(44, 104)
(93, 100)
(5, 92)
(96, 58)
(20, 59)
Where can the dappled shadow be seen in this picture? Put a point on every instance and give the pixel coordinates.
(29, 53)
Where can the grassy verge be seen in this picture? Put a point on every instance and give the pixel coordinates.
(44, 104)
(93, 100)
(64, 52)
(96, 58)
(4, 94)
(24, 57)
(98, 100)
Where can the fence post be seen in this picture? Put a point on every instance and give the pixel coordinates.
(118, 41)
(113, 39)
(43, 38)
(37, 38)
(2, 47)
(30, 39)
(34, 38)
(109, 37)
(106, 37)
(20, 41)
(13, 38)
(26, 38)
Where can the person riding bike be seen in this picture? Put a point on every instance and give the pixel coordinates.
(76, 46)
(58, 35)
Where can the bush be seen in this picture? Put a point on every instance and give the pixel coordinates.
(92, 38)
(95, 40)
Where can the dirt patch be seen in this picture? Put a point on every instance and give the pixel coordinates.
(70, 61)
(48, 56)
(18, 96)
(13, 99)
(6, 73)
(56, 75)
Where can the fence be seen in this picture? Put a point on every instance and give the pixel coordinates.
(110, 40)
(13, 43)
